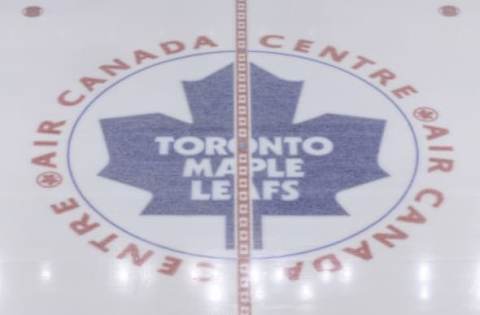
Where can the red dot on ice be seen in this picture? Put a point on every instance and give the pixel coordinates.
(32, 11)
(449, 10)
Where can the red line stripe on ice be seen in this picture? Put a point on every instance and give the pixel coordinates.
(242, 136)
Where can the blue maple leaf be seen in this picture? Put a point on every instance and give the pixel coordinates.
(134, 157)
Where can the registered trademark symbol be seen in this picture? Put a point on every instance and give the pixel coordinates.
(32, 11)
(49, 179)
(426, 114)
(449, 10)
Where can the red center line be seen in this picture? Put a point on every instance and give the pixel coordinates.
(242, 137)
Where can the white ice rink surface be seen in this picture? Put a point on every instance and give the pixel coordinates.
(76, 240)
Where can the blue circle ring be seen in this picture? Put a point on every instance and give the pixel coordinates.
(90, 204)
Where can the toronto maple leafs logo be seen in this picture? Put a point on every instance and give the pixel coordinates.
(297, 168)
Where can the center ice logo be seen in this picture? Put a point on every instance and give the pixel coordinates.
(297, 168)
